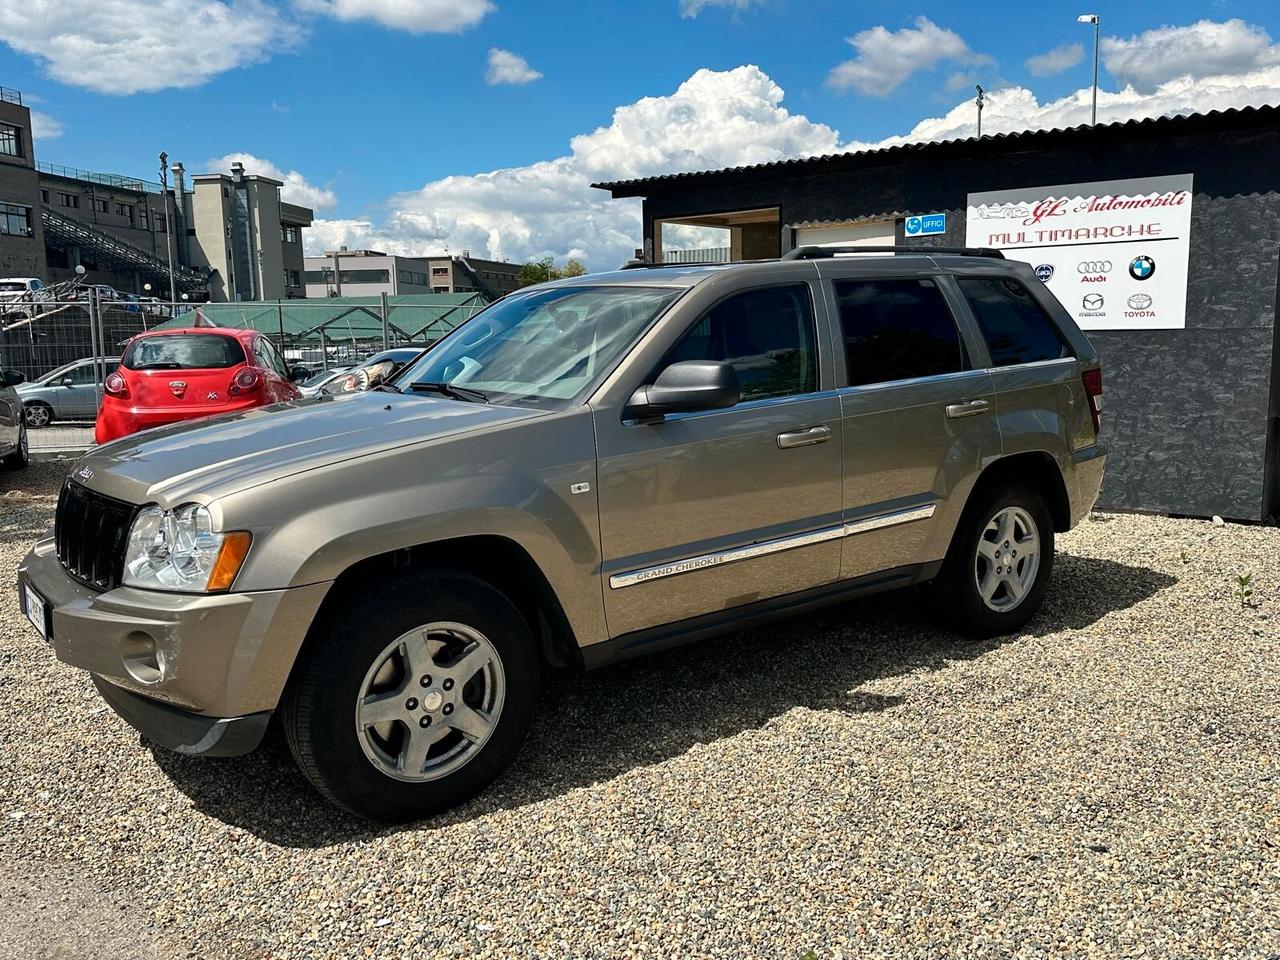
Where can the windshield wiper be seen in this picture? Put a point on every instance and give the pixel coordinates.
(449, 390)
(158, 365)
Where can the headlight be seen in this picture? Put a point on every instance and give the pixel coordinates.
(179, 550)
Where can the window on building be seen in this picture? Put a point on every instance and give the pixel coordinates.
(288, 233)
(102, 206)
(404, 276)
(69, 199)
(292, 278)
(10, 140)
(318, 276)
(125, 210)
(897, 330)
(162, 222)
(44, 196)
(366, 276)
(767, 335)
(142, 217)
(15, 220)
(1016, 328)
(439, 271)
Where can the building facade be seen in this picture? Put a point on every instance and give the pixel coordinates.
(21, 233)
(370, 273)
(1192, 418)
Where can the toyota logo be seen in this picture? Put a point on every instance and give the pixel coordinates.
(1139, 301)
(1092, 301)
(1093, 266)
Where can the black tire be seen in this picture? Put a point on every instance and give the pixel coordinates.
(21, 455)
(43, 415)
(963, 605)
(319, 705)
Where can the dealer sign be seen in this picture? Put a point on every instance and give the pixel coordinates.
(1114, 252)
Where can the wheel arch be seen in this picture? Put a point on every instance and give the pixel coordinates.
(1037, 468)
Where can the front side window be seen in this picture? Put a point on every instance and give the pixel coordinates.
(188, 351)
(543, 348)
(766, 335)
(82, 375)
(1015, 326)
(897, 329)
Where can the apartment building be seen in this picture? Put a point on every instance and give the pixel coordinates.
(370, 273)
(21, 235)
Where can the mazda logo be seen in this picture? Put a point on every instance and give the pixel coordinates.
(1092, 301)
(1139, 301)
(1093, 266)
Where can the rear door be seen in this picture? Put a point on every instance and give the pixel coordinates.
(917, 414)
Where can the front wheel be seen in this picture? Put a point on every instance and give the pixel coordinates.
(37, 415)
(1000, 561)
(415, 698)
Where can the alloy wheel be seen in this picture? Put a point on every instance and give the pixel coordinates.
(37, 415)
(1007, 560)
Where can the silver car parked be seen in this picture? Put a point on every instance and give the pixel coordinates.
(67, 393)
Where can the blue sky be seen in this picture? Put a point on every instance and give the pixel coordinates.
(368, 105)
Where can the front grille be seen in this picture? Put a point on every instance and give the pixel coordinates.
(90, 531)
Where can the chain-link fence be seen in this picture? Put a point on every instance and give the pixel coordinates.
(66, 347)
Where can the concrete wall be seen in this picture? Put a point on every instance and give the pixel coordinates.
(21, 256)
(1188, 413)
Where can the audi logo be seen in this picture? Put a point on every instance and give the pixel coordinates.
(1094, 266)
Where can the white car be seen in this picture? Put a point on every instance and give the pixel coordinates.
(22, 296)
(313, 386)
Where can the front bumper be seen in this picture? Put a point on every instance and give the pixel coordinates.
(192, 658)
(185, 732)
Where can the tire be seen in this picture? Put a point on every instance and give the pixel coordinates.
(1004, 610)
(21, 455)
(350, 671)
(37, 415)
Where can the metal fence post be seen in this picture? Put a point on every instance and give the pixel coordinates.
(386, 327)
(98, 347)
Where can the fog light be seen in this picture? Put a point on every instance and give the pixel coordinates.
(142, 659)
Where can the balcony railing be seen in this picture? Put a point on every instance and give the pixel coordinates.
(10, 95)
(104, 179)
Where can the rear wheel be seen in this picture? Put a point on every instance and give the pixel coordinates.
(21, 455)
(37, 415)
(415, 698)
(1000, 561)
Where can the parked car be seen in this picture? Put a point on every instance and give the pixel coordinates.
(171, 375)
(368, 373)
(23, 296)
(66, 393)
(314, 384)
(13, 431)
(585, 471)
(106, 293)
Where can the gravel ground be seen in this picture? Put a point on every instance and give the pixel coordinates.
(855, 783)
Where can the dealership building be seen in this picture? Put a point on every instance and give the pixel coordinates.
(1161, 237)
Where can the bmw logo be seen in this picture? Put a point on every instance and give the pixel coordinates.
(1141, 268)
(1045, 272)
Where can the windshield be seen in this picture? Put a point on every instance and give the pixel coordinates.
(541, 348)
(190, 351)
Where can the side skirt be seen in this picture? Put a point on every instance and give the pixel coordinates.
(666, 636)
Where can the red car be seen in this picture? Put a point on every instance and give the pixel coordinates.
(171, 375)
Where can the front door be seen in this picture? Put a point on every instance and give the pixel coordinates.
(918, 419)
(707, 511)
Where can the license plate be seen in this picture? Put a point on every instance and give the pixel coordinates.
(33, 606)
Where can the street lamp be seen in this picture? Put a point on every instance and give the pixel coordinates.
(982, 96)
(1096, 21)
(168, 222)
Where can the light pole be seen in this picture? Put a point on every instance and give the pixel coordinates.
(982, 96)
(1097, 25)
(168, 223)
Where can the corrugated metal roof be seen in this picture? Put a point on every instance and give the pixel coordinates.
(1023, 139)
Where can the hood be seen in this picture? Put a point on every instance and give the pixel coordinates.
(209, 458)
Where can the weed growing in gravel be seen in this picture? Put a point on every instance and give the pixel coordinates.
(1244, 589)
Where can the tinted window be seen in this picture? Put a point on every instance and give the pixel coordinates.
(896, 330)
(1016, 328)
(194, 351)
(766, 335)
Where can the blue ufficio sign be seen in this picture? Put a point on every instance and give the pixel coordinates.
(926, 225)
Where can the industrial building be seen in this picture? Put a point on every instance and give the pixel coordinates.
(1161, 236)
(228, 237)
(370, 273)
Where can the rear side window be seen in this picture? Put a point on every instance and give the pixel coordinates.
(193, 351)
(1016, 328)
(766, 335)
(897, 330)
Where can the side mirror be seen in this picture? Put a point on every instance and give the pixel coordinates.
(686, 387)
(298, 374)
(11, 378)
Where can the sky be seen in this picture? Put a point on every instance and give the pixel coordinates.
(420, 126)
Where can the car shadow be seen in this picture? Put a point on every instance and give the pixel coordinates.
(596, 727)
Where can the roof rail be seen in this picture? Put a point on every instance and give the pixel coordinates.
(650, 265)
(826, 253)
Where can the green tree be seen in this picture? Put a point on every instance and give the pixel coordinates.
(540, 271)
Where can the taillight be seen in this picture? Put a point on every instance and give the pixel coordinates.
(1093, 390)
(245, 381)
(116, 385)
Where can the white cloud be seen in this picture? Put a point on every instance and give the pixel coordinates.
(416, 16)
(508, 67)
(297, 188)
(1056, 60)
(1203, 49)
(131, 46)
(45, 127)
(691, 8)
(886, 58)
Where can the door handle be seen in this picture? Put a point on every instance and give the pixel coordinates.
(804, 438)
(967, 408)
